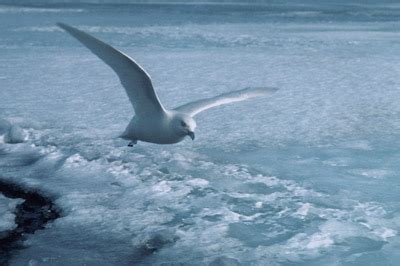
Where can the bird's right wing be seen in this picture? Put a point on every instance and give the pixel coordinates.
(196, 107)
(136, 81)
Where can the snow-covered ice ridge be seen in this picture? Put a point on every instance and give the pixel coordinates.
(308, 176)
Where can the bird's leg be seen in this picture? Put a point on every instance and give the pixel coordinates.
(133, 142)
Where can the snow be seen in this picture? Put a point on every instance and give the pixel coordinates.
(307, 176)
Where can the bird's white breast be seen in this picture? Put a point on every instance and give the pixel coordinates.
(152, 128)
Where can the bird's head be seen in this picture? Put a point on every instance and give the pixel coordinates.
(184, 125)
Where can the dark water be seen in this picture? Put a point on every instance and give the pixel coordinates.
(31, 215)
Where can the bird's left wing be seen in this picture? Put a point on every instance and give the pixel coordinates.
(136, 81)
(196, 107)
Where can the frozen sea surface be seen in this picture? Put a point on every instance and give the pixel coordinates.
(309, 176)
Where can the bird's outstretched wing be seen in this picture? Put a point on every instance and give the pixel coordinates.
(136, 81)
(196, 107)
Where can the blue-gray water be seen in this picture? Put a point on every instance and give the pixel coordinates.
(308, 176)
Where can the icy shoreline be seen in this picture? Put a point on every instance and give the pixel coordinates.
(31, 215)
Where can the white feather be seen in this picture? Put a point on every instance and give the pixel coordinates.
(193, 108)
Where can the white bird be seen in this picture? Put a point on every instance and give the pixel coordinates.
(152, 122)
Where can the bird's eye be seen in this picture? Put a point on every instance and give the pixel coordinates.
(183, 124)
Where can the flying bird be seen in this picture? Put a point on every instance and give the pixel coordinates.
(152, 122)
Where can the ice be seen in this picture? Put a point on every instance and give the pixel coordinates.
(7, 208)
(18, 9)
(11, 133)
(15, 135)
(4, 126)
(308, 176)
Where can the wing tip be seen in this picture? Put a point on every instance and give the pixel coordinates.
(62, 25)
(270, 89)
(67, 27)
(260, 90)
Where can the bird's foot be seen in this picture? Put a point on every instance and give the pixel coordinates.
(133, 142)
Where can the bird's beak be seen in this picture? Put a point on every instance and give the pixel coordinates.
(191, 135)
